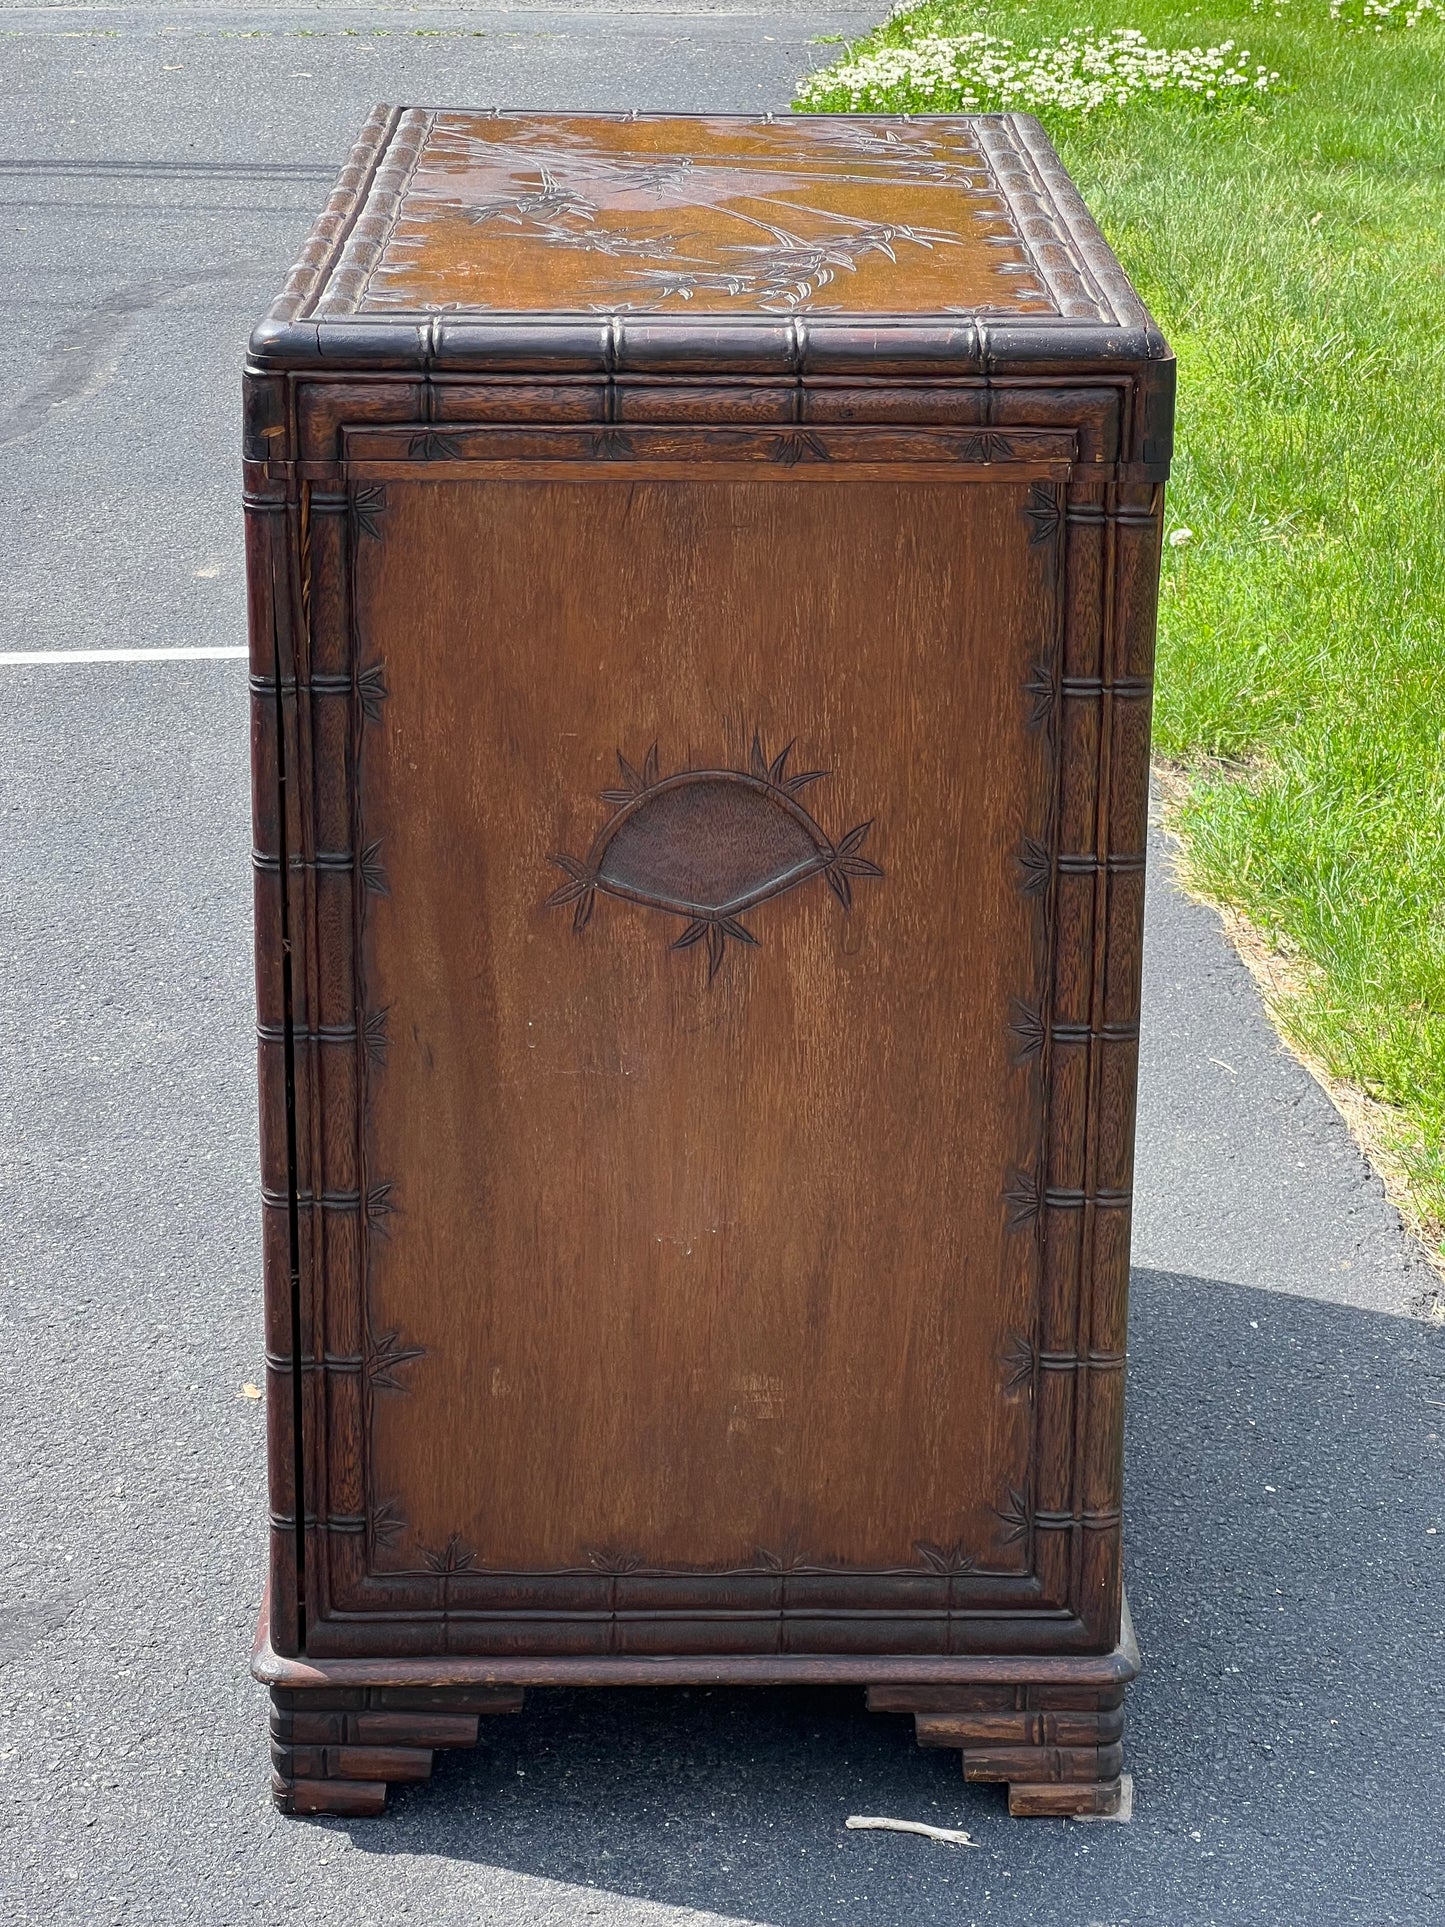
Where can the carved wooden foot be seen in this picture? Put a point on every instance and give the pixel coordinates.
(1058, 1747)
(336, 1750)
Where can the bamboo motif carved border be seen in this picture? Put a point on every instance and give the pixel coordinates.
(316, 696)
(1065, 248)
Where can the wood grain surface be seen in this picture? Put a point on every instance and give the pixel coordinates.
(699, 788)
(702, 581)
(701, 1268)
(554, 212)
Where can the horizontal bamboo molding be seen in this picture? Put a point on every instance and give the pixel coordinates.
(896, 1683)
(972, 422)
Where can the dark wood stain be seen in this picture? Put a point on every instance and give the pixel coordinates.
(660, 1201)
(699, 774)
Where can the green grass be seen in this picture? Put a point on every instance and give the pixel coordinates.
(1294, 253)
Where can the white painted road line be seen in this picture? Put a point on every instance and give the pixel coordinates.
(22, 658)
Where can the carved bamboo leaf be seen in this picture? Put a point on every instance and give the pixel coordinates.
(1041, 693)
(798, 445)
(985, 447)
(385, 1357)
(1016, 1516)
(1027, 1026)
(788, 1558)
(373, 875)
(381, 1205)
(612, 1559)
(1035, 864)
(432, 446)
(454, 1557)
(946, 1560)
(371, 687)
(1018, 1361)
(367, 506)
(1044, 514)
(375, 1035)
(1022, 1197)
(386, 1522)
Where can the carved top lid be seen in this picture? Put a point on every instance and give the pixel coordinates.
(658, 230)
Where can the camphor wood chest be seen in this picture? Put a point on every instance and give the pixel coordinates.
(703, 591)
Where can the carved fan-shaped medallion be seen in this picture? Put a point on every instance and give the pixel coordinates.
(707, 845)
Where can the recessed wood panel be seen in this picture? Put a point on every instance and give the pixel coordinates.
(703, 1250)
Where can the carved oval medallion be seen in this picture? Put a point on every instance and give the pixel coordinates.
(707, 845)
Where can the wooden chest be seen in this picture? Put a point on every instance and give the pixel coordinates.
(703, 583)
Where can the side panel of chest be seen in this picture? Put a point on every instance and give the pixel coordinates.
(700, 1230)
(712, 1193)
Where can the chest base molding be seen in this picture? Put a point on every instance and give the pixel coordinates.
(1050, 1726)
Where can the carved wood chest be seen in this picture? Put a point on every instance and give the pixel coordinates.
(702, 583)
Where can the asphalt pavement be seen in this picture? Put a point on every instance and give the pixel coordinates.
(158, 169)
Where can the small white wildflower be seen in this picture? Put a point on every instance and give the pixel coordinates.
(1079, 74)
(1180, 538)
(1380, 14)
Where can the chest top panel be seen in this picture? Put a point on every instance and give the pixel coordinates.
(474, 213)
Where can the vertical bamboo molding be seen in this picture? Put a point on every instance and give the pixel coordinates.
(268, 584)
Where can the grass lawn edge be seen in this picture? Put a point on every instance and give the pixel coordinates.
(1379, 1130)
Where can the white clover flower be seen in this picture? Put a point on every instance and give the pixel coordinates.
(1180, 538)
(1380, 14)
(1078, 74)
